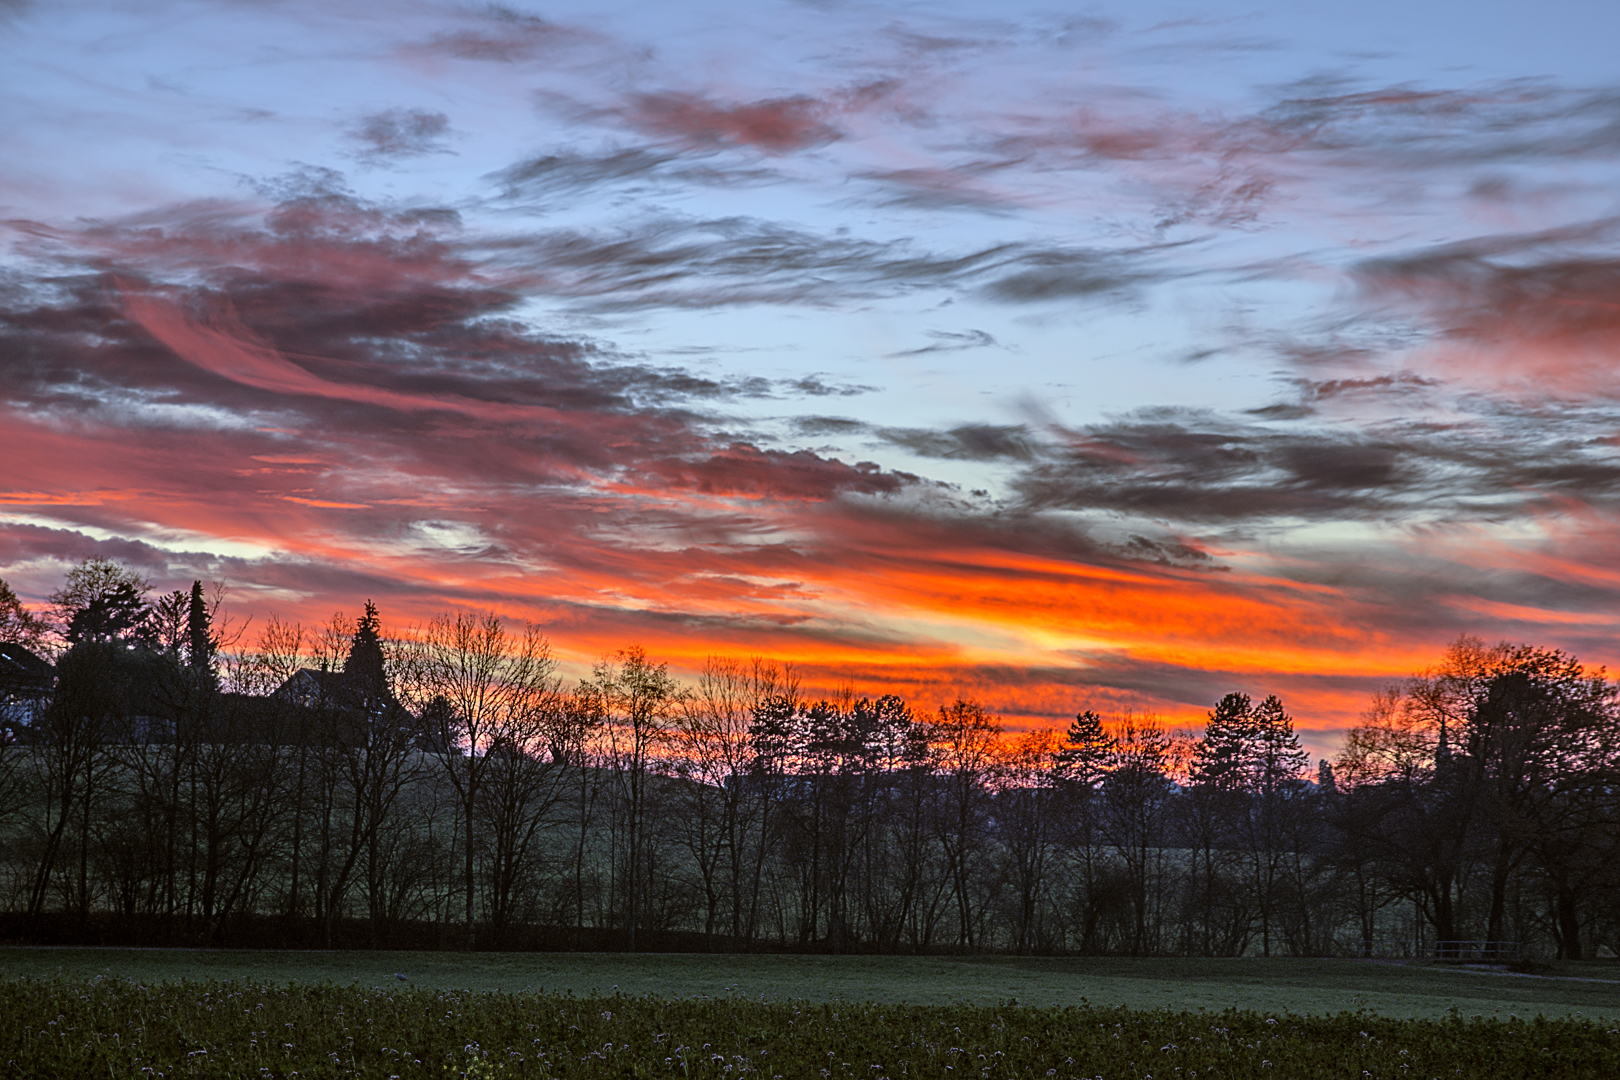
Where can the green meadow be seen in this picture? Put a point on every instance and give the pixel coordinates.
(1303, 986)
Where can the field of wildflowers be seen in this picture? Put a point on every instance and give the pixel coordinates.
(109, 1027)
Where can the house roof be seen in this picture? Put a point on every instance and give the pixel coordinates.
(308, 686)
(20, 667)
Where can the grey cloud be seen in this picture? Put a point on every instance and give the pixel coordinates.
(354, 330)
(1352, 467)
(1167, 553)
(1191, 467)
(952, 341)
(569, 171)
(1042, 276)
(657, 259)
(402, 133)
(1199, 687)
(1400, 383)
(1233, 197)
(680, 263)
(1283, 410)
(941, 188)
(969, 442)
(828, 425)
(500, 34)
(813, 386)
(548, 179)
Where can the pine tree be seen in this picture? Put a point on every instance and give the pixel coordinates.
(1086, 750)
(104, 601)
(117, 615)
(1278, 760)
(1225, 752)
(364, 665)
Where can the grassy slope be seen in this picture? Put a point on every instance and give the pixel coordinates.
(1278, 985)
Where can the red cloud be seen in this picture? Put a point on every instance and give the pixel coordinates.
(776, 126)
(1523, 315)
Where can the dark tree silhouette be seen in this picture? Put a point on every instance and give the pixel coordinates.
(364, 668)
(200, 643)
(103, 601)
(17, 624)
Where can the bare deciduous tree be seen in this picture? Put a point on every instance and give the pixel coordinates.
(483, 689)
(638, 700)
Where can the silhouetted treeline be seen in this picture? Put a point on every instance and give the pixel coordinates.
(444, 788)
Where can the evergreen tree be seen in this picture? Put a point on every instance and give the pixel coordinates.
(1225, 752)
(772, 735)
(1277, 759)
(364, 665)
(103, 601)
(167, 621)
(119, 614)
(199, 630)
(1086, 750)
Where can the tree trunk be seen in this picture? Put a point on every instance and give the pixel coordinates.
(1569, 925)
(1499, 885)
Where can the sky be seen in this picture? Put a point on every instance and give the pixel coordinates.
(1059, 357)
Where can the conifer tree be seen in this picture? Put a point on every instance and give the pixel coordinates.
(1278, 760)
(1224, 753)
(199, 630)
(364, 664)
(1086, 750)
(103, 601)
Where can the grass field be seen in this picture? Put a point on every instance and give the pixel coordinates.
(1303, 987)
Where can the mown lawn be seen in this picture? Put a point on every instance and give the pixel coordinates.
(77, 1028)
(1318, 987)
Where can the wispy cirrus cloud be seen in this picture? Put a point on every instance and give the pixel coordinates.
(674, 262)
(1187, 466)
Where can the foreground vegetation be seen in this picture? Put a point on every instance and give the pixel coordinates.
(63, 1028)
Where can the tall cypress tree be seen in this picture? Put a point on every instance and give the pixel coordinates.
(199, 630)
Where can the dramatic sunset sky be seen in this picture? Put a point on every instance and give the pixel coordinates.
(1113, 356)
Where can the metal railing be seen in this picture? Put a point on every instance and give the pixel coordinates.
(1479, 951)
